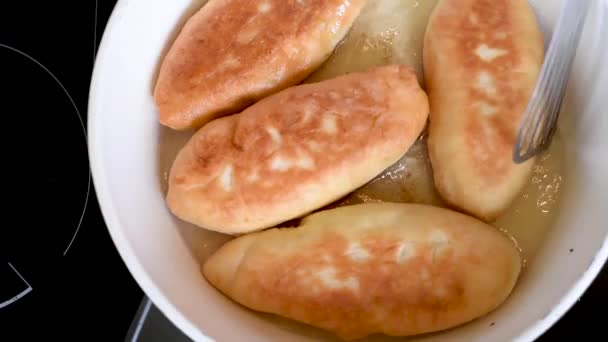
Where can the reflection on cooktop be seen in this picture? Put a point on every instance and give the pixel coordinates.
(13, 285)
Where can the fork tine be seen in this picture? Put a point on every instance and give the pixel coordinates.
(561, 80)
(558, 82)
(538, 124)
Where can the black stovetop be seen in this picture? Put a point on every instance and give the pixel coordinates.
(59, 271)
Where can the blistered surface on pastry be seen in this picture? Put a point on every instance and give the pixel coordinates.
(278, 149)
(400, 270)
(231, 52)
(498, 79)
(334, 281)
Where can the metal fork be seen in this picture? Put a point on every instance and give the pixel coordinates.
(540, 120)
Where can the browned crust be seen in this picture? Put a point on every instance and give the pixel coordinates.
(481, 62)
(232, 53)
(296, 151)
(397, 269)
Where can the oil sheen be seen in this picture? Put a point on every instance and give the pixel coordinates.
(392, 31)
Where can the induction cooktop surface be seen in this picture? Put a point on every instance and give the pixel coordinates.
(59, 271)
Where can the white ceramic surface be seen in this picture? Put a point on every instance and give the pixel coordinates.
(123, 146)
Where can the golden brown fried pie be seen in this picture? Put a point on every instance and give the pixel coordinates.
(397, 269)
(481, 63)
(296, 151)
(232, 53)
